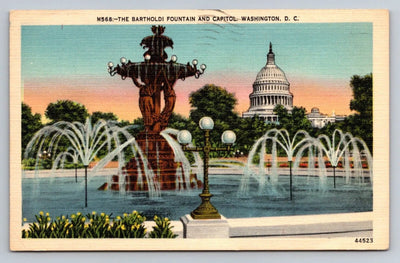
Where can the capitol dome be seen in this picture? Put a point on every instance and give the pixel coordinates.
(270, 88)
(271, 73)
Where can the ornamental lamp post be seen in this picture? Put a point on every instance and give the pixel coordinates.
(206, 210)
(44, 155)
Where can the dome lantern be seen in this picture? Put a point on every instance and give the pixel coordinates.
(270, 56)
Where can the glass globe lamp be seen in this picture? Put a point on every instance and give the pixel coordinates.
(206, 123)
(184, 137)
(228, 137)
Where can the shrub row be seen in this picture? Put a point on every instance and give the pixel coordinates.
(97, 226)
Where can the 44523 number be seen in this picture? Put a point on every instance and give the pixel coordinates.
(364, 240)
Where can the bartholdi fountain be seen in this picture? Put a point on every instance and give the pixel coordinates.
(159, 163)
(153, 76)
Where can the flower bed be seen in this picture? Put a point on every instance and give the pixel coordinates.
(97, 226)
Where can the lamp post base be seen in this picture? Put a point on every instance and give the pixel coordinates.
(205, 210)
(211, 228)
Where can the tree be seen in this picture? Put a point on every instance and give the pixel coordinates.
(30, 124)
(212, 101)
(248, 131)
(66, 110)
(292, 121)
(360, 124)
(362, 95)
(107, 116)
(138, 126)
(217, 103)
(177, 121)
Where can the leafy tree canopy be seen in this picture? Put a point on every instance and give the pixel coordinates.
(362, 95)
(248, 131)
(30, 124)
(360, 124)
(213, 101)
(66, 110)
(292, 121)
(178, 122)
(107, 116)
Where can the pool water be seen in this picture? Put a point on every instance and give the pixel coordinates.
(63, 196)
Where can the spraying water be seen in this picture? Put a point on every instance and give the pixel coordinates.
(342, 150)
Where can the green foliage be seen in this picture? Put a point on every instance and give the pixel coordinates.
(46, 163)
(96, 226)
(178, 122)
(107, 116)
(128, 226)
(66, 110)
(292, 121)
(30, 124)
(328, 130)
(138, 126)
(28, 164)
(362, 94)
(360, 124)
(162, 229)
(217, 103)
(212, 101)
(248, 130)
(99, 225)
(41, 229)
(256, 159)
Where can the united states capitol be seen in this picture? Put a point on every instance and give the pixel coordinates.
(272, 88)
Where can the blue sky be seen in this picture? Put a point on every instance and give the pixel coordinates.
(330, 50)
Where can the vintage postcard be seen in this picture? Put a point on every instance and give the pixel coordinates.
(199, 130)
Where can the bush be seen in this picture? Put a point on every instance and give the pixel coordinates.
(162, 228)
(28, 163)
(256, 159)
(96, 226)
(129, 226)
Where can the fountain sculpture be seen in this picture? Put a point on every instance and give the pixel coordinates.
(154, 76)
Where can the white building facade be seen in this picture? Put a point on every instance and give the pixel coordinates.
(319, 120)
(270, 88)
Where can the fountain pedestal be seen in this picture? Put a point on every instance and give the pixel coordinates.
(160, 159)
(205, 228)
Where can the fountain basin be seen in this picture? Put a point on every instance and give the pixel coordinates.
(60, 195)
